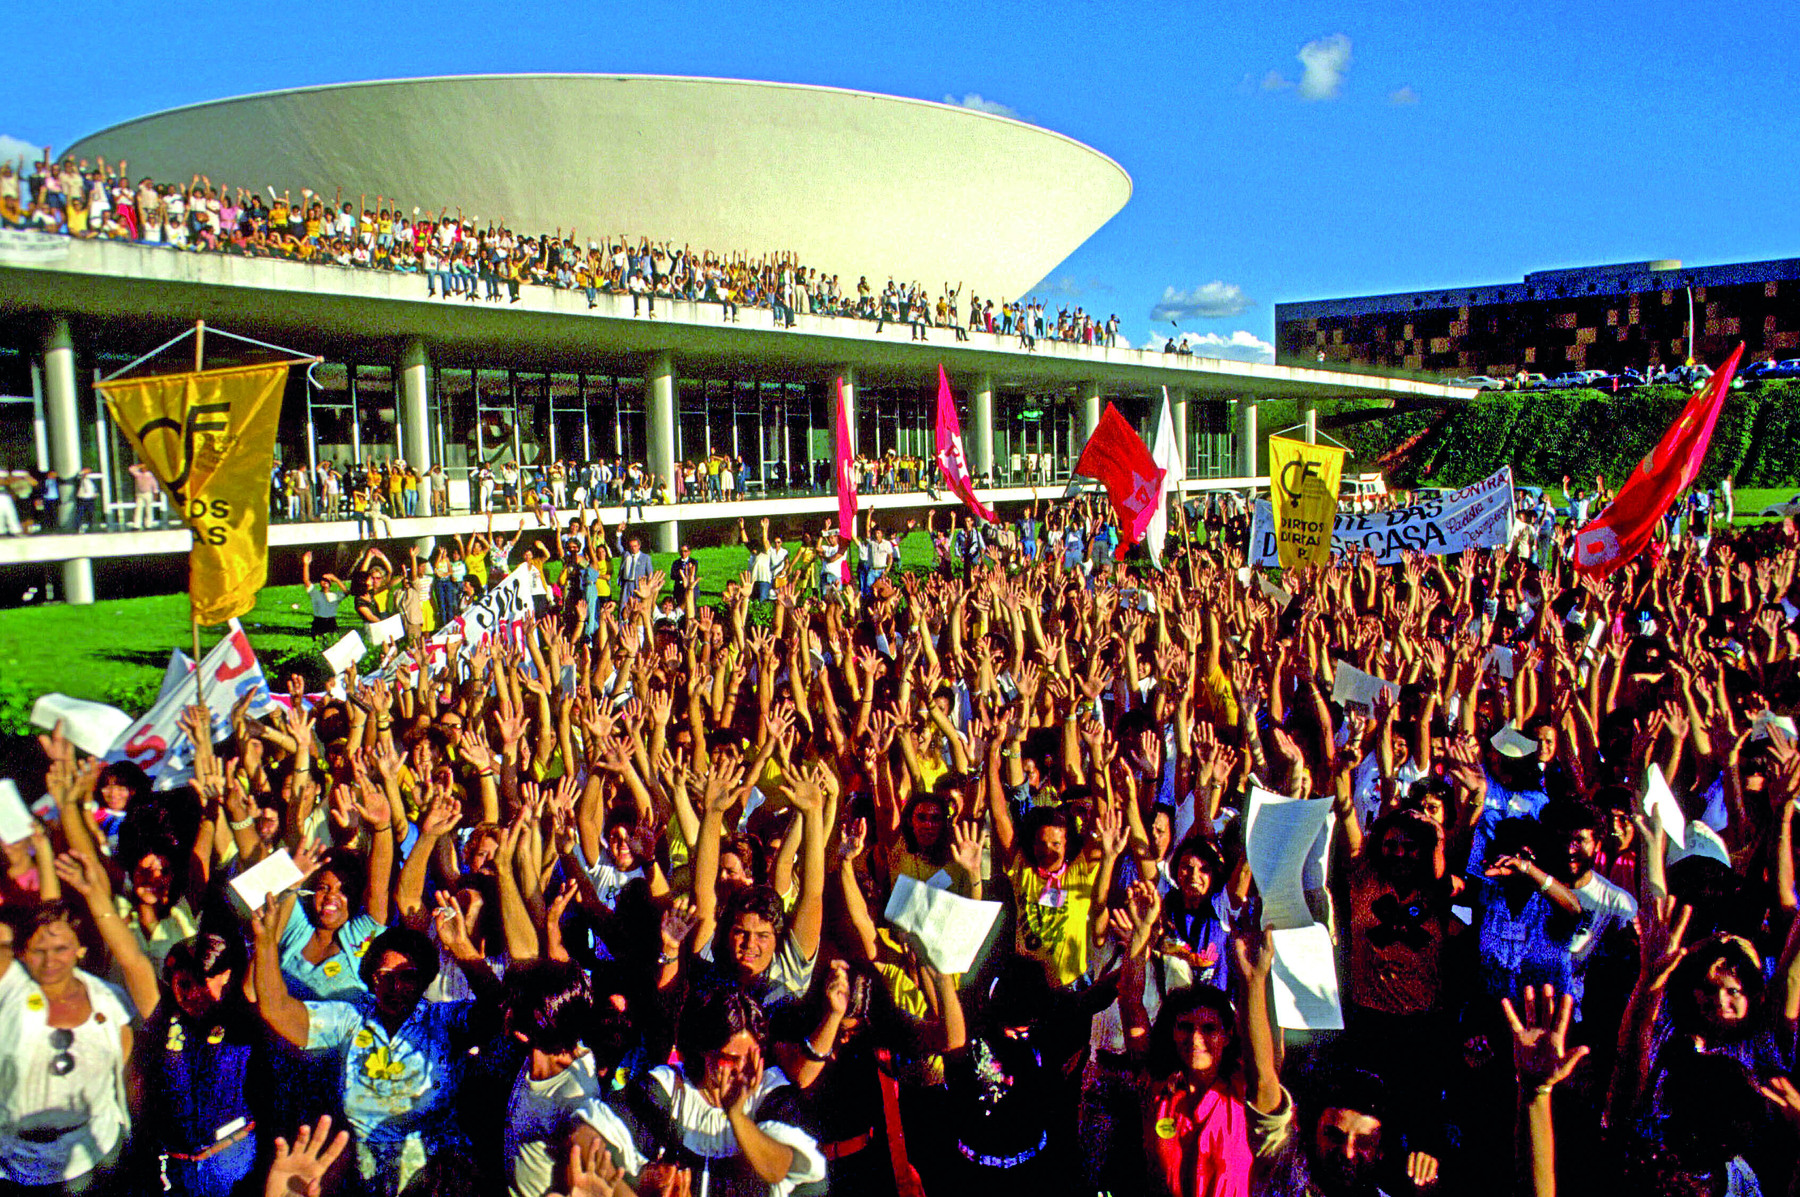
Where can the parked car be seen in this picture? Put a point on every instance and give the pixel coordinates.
(1358, 492)
(1566, 381)
(1683, 376)
(1783, 510)
(1484, 382)
(1527, 381)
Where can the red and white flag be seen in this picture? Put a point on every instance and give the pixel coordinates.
(846, 471)
(1620, 533)
(1116, 457)
(950, 456)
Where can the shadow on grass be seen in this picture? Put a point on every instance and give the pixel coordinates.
(158, 658)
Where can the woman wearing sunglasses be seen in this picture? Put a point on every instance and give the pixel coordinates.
(64, 1040)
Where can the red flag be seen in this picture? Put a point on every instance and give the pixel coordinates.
(950, 456)
(1620, 533)
(1116, 457)
(846, 471)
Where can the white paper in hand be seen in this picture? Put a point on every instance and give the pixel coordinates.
(271, 875)
(1353, 689)
(1701, 841)
(345, 652)
(1659, 799)
(1306, 981)
(1278, 595)
(951, 928)
(1279, 837)
(15, 821)
(391, 628)
(92, 727)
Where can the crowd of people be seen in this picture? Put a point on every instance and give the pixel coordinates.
(461, 257)
(613, 905)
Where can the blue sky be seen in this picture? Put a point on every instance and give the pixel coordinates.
(1279, 152)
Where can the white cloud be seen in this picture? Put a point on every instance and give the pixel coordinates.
(14, 148)
(1069, 287)
(1240, 346)
(1403, 95)
(1212, 301)
(1323, 63)
(974, 100)
(1274, 82)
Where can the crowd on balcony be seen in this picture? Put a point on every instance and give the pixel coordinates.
(460, 257)
(377, 492)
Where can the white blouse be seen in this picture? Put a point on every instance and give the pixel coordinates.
(56, 1128)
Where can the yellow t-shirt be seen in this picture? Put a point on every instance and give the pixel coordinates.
(1052, 914)
(1218, 703)
(902, 862)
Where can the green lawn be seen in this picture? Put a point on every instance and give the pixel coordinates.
(1748, 501)
(116, 651)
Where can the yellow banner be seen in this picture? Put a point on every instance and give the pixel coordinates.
(1303, 482)
(210, 439)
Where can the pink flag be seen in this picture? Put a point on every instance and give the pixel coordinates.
(950, 456)
(1620, 533)
(846, 471)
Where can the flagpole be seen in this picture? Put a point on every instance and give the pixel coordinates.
(1187, 539)
(199, 681)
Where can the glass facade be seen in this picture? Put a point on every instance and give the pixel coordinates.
(1037, 436)
(349, 413)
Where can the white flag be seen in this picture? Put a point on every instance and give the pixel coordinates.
(1167, 455)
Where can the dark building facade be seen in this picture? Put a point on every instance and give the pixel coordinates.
(1592, 318)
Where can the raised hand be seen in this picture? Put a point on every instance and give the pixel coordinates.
(855, 838)
(453, 925)
(805, 789)
(299, 1170)
(837, 988)
(1541, 1055)
(559, 903)
(86, 876)
(1661, 924)
(678, 921)
(1109, 825)
(592, 1172)
(965, 846)
(1252, 954)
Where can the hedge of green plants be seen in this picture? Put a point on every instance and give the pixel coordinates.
(1546, 435)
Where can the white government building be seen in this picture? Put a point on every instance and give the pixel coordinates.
(850, 183)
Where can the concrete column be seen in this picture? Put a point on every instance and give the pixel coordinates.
(1247, 437)
(1178, 415)
(62, 413)
(659, 409)
(980, 440)
(1090, 407)
(415, 404)
(1309, 412)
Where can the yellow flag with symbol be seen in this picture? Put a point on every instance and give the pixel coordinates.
(1303, 482)
(209, 437)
